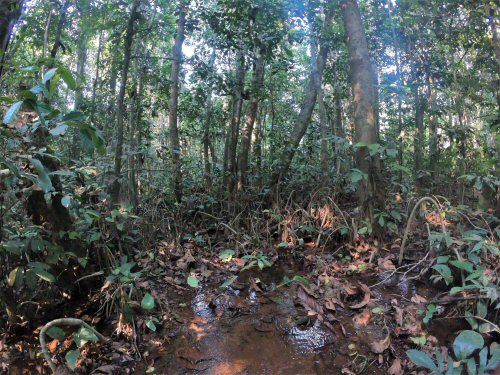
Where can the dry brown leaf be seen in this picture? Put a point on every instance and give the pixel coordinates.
(379, 347)
(386, 264)
(306, 300)
(53, 345)
(396, 368)
(330, 305)
(366, 297)
(107, 369)
(363, 318)
(418, 299)
(398, 315)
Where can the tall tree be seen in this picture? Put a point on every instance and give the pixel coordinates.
(120, 114)
(175, 145)
(257, 83)
(370, 190)
(307, 107)
(230, 150)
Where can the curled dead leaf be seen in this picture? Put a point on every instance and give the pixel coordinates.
(362, 319)
(309, 302)
(366, 297)
(396, 368)
(380, 346)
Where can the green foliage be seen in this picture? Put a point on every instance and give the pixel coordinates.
(259, 260)
(193, 281)
(464, 346)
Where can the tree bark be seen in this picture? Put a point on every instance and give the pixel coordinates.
(10, 10)
(370, 190)
(175, 145)
(419, 125)
(81, 52)
(234, 127)
(398, 94)
(206, 131)
(129, 37)
(257, 84)
(433, 137)
(60, 27)
(306, 110)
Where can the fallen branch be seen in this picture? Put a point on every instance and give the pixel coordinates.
(63, 322)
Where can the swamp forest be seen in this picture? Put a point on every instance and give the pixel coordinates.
(250, 187)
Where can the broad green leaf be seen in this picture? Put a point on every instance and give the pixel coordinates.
(68, 78)
(72, 357)
(11, 114)
(445, 272)
(301, 280)
(363, 230)
(15, 247)
(49, 74)
(466, 343)
(226, 255)
(419, 340)
(464, 265)
(6, 99)
(151, 325)
(148, 302)
(56, 333)
(482, 309)
(43, 177)
(66, 201)
(74, 116)
(229, 281)
(31, 279)
(31, 68)
(421, 359)
(83, 336)
(44, 275)
(192, 282)
(14, 276)
(59, 130)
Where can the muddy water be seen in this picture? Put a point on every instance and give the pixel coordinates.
(241, 332)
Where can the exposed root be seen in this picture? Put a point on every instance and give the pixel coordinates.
(63, 322)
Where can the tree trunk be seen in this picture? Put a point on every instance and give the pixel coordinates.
(96, 79)
(257, 83)
(120, 114)
(419, 125)
(433, 137)
(370, 190)
(306, 110)
(175, 146)
(81, 50)
(206, 132)
(10, 10)
(398, 94)
(257, 146)
(234, 127)
(60, 26)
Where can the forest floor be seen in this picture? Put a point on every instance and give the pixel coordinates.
(341, 309)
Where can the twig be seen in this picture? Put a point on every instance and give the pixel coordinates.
(99, 273)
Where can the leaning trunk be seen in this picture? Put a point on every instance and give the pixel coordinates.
(306, 110)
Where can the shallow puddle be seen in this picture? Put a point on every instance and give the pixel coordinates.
(243, 332)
